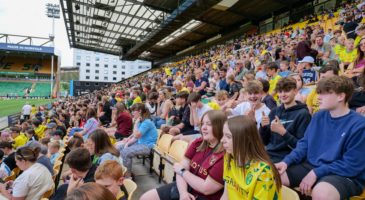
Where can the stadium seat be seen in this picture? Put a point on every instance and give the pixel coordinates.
(288, 194)
(55, 174)
(60, 157)
(57, 165)
(176, 154)
(49, 192)
(131, 187)
(159, 151)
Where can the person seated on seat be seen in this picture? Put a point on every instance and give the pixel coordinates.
(247, 166)
(91, 124)
(110, 175)
(90, 191)
(4, 169)
(200, 174)
(75, 142)
(142, 140)
(53, 151)
(82, 171)
(33, 182)
(18, 138)
(42, 156)
(9, 158)
(286, 124)
(101, 148)
(30, 133)
(328, 162)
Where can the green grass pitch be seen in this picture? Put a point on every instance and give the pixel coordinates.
(13, 106)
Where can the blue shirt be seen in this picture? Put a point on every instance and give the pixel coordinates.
(199, 82)
(284, 73)
(333, 146)
(149, 133)
(309, 76)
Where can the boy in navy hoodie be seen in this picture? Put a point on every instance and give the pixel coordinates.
(288, 122)
(329, 162)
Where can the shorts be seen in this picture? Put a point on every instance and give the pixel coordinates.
(346, 187)
(164, 192)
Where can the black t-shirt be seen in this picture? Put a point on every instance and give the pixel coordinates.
(10, 161)
(357, 100)
(107, 111)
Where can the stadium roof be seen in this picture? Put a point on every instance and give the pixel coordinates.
(157, 29)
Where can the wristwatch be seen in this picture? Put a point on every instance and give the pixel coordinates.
(181, 172)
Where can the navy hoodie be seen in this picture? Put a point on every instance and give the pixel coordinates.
(295, 120)
(333, 146)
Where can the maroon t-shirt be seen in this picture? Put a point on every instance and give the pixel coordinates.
(124, 124)
(204, 164)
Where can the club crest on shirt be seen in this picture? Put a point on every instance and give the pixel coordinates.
(212, 160)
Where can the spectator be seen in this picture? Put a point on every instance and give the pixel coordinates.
(90, 191)
(164, 105)
(4, 169)
(143, 139)
(42, 156)
(82, 171)
(101, 148)
(336, 171)
(151, 103)
(200, 83)
(110, 175)
(284, 69)
(286, 124)
(357, 67)
(234, 87)
(39, 129)
(253, 107)
(348, 55)
(30, 133)
(258, 177)
(308, 74)
(9, 158)
(304, 48)
(33, 182)
(201, 169)
(267, 99)
(18, 138)
(272, 73)
(53, 150)
(223, 85)
(303, 92)
(91, 123)
(105, 117)
(123, 121)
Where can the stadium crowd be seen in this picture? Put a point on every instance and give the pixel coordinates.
(265, 111)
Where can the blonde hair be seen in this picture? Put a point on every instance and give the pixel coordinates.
(111, 169)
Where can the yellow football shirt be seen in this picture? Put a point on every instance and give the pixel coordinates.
(273, 81)
(257, 183)
(312, 101)
(137, 100)
(20, 140)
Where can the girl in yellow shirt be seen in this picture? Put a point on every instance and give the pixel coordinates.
(248, 171)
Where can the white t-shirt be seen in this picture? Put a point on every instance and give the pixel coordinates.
(200, 112)
(26, 109)
(33, 182)
(244, 107)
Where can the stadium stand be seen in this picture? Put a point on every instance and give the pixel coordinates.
(14, 88)
(259, 85)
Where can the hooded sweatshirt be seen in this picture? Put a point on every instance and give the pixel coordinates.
(295, 120)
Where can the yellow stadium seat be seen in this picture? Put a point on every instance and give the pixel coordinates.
(131, 187)
(159, 151)
(60, 157)
(288, 194)
(49, 192)
(55, 173)
(360, 197)
(57, 165)
(176, 154)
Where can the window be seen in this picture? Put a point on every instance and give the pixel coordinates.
(114, 66)
(139, 67)
(96, 71)
(88, 71)
(105, 78)
(87, 58)
(78, 57)
(96, 84)
(106, 66)
(114, 60)
(87, 64)
(96, 77)
(78, 64)
(97, 65)
(123, 66)
(105, 72)
(97, 59)
(87, 84)
(114, 72)
(114, 78)
(87, 77)
(106, 59)
(123, 73)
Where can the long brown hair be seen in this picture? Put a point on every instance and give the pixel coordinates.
(120, 108)
(247, 144)
(145, 114)
(217, 119)
(90, 191)
(102, 143)
(360, 54)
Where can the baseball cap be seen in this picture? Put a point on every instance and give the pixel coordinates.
(51, 125)
(307, 59)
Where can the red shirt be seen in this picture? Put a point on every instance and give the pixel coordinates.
(124, 124)
(204, 164)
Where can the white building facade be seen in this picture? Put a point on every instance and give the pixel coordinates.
(102, 67)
